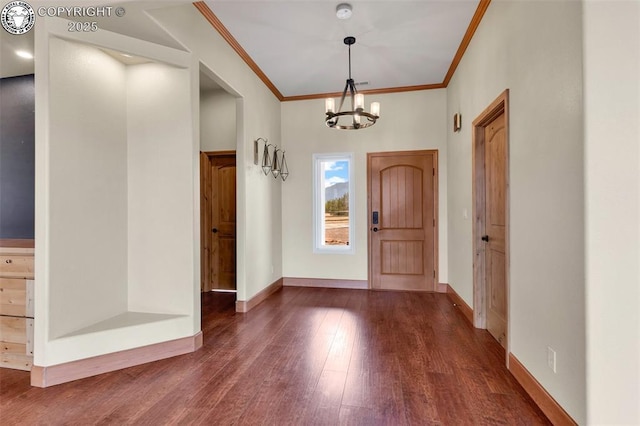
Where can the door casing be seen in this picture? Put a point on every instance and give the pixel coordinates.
(498, 106)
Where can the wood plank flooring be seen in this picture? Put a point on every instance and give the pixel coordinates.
(305, 356)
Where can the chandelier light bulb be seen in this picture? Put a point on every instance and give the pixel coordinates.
(359, 101)
(329, 105)
(375, 109)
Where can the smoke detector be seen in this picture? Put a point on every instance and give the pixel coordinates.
(343, 11)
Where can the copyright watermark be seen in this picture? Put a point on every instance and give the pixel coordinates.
(18, 17)
(81, 11)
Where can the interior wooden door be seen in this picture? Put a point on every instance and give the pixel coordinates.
(402, 220)
(219, 222)
(205, 222)
(495, 227)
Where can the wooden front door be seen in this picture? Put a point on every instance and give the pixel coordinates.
(491, 253)
(402, 220)
(218, 221)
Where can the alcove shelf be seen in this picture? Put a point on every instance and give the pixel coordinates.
(116, 218)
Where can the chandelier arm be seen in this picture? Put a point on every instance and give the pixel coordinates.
(371, 120)
(352, 92)
(344, 95)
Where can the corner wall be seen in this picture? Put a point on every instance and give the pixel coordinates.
(534, 50)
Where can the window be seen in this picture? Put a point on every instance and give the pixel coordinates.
(333, 205)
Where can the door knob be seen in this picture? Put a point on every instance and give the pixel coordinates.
(375, 229)
(485, 238)
(214, 230)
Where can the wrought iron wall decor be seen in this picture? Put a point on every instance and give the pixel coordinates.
(272, 162)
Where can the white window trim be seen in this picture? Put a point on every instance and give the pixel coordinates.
(319, 202)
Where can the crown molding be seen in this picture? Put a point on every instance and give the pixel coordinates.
(224, 32)
(471, 30)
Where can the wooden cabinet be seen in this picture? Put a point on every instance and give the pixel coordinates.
(16, 307)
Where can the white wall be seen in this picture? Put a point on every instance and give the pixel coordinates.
(409, 121)
(160, 189)
(534, 50)
(117, 210)
(88, 187)
(259, 201)
(217, 121)
(612, 150)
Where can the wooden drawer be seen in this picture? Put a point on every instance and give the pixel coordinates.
(16, 330)
(16, 297)
(16, 266)
(16, 343)
(14, 355)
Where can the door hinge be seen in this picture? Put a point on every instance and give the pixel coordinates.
(434, 274)
(434, 172)
(434, 222)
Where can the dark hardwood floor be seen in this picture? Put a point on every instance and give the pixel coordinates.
(303, 357)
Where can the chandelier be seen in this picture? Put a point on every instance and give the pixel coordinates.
(357, 117)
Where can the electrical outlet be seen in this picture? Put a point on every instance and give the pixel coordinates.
(551, 358)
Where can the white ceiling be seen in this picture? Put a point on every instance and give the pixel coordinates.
(299, 45)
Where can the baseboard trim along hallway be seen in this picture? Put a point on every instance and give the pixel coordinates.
(247, 305)
(43, 377)
(460, 303)
(539, 394)
(326, 283)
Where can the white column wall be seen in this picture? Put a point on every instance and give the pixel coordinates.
(612, 170)
(259, 202)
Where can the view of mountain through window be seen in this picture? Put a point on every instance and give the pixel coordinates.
(333, 203)
(336, 205)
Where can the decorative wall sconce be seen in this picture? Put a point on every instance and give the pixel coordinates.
(266, 162)
(274, 163)
(284, 169)
(457, 122)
